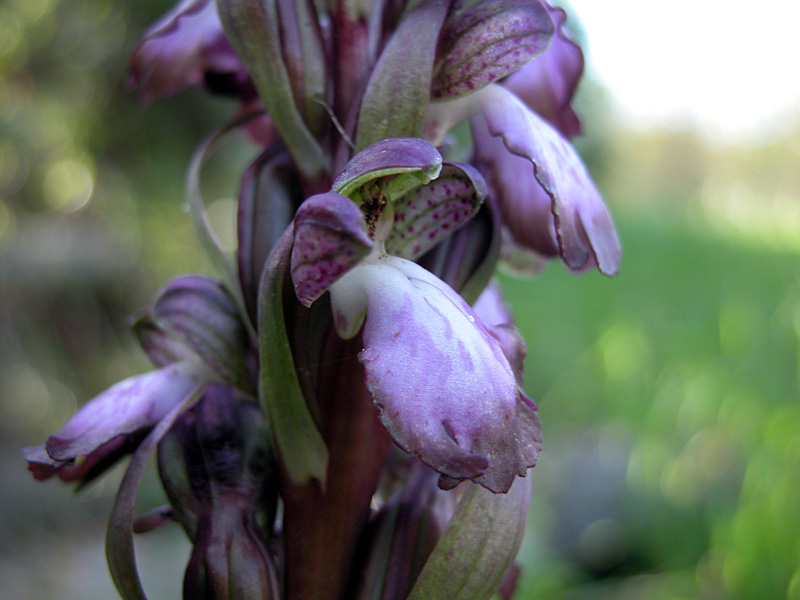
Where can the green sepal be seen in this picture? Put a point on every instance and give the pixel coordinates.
(478, 546)
(398, 92)
(405, 164)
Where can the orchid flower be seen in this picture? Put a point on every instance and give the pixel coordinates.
(105, 427)
(443, 387)
(194, 336)
(547, 200)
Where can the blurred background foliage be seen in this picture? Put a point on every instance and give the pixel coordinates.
(669, 394)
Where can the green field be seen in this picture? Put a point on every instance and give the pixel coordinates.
(669, 402)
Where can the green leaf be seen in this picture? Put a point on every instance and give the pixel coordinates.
(252, 28)
(478, 546)
(298, 443)
(269, 196)
(304, 56)
(398, 91)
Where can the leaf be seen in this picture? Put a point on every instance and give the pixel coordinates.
(304, 56)
(298, 443)
(398, 91)
(478, 546)
(252, 28)
(268, 198)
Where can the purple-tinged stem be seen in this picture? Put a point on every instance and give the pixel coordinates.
(323, 527)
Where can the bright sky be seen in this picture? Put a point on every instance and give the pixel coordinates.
(732, 64)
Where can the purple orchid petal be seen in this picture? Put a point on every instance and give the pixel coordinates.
(584, 232)
(330, 238)
(427, 214)
(547, 84)
(43, 466)
(488, 41)
(443, 387)
(187, 47)
(195, 317)
(130, 406)
(404, 162)
(526, 207)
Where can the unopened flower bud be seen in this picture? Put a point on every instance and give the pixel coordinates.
(216, 467)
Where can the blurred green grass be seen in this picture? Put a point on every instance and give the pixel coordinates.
(669, 402)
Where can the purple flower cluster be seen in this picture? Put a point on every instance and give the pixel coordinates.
(343, 417)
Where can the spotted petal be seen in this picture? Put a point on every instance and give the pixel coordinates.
(330, 237)
(487, 41)
(427, 214)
